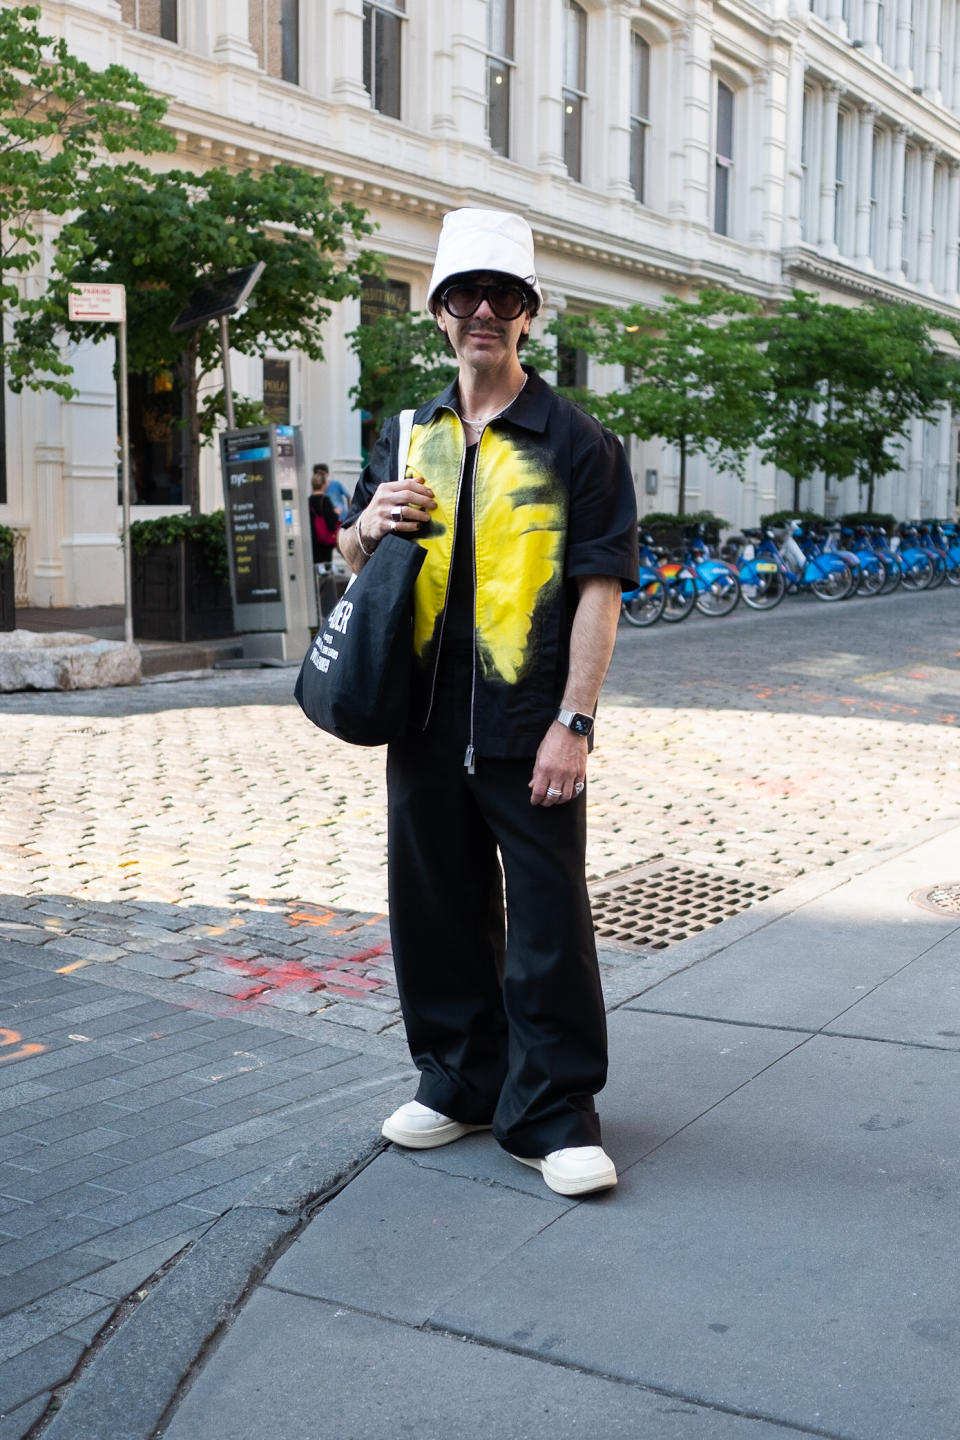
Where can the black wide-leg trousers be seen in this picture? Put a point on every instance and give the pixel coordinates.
(505, 1022)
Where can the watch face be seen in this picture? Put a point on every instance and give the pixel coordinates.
(581, 724)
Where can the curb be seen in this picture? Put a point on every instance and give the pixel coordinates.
(133, 1382)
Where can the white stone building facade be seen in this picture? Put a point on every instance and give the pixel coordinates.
(655, 148)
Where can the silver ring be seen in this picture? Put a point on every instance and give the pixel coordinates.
(393, 528)
(579, 788)
(396, 514)
(552, 792)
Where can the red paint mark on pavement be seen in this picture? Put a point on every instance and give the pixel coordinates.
(335, 976)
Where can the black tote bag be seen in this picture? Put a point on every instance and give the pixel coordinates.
(355, 679)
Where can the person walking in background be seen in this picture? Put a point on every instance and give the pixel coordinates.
(335, 492)
(525, 507)
(324, 520)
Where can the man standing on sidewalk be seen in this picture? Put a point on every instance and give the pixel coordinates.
(526, 509)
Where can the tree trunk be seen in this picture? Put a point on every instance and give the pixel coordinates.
(796, 493)
(682, 495)
(870, 484)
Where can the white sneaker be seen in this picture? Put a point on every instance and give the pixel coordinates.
(575, 1171)
(420, 1128)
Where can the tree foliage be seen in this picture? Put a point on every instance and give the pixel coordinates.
(693, 374)
(60, 121)
(161, 235)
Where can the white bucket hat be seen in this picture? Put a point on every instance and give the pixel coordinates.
(484, 240)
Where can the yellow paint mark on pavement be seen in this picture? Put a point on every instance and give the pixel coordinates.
(69, 969)
(13, 1037)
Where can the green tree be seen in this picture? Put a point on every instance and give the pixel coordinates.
(693, 374)
(160, 235)
(808, 349)
(60, 121)
(896, 374)
(405, 359)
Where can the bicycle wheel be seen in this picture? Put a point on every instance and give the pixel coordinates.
(761, 588)
(916, 569)
(833, 582)
(939, 572)
(953, 566)
(644, 607)
(893, 575)
(720, 596)
(873, 575)
(680, 585)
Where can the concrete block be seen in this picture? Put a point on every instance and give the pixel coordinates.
(37, 1370)
(62, 660)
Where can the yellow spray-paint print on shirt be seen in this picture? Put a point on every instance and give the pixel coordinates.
(519, 529)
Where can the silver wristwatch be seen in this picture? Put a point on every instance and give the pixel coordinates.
(580, 724)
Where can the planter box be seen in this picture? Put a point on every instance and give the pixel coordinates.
(175, 597)
(8, 611)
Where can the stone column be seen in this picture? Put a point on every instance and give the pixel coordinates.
(618, 49)
(955, 97)
(548, 80)
(925, 223)
(835, 16)
(865, 122)
(698, 139)
(931, 79)
(828, 163)
(466, 97)
(231, 33)
(48, 581)
(898, 148)
(951, 269)
(904, 32)
(871, 30)
(346, 46)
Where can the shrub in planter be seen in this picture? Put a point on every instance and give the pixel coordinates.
(672, 530)
(8, 614)
(869, 517)
(181, 578)
(780, 519)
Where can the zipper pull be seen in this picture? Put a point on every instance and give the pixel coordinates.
(469, 761)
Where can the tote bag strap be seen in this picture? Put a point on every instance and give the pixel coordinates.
(403, 446)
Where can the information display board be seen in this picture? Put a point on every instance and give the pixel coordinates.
(254, 534)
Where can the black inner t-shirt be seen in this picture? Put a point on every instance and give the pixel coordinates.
(457, 642)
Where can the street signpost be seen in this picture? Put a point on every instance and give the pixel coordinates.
(108, 304)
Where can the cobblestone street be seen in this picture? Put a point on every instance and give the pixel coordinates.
(195, 970)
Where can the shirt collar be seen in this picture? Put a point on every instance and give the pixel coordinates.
(530, 410)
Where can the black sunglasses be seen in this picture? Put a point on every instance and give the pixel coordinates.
(507, 302)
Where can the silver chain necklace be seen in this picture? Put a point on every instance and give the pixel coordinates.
(482, 420)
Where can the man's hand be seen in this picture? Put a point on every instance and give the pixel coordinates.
(397, 505)
(560, 766)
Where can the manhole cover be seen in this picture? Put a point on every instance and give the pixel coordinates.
(653, 906)
(939, 898)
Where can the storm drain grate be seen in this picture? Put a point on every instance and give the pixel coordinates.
(939, 898)
(653, 906)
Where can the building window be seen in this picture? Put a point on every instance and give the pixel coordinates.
(723, 160)
(571, 367)
(382, 25)
(499, 64)
(840, 189)
(156, 17)
(275, 35)
(639, 114)
(574, 85)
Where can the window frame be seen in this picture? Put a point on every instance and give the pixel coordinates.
(290, 25)
(169, 20)
(722, 163)
(640, 121)
(501, 61)
(378, 12)
(573, 96)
